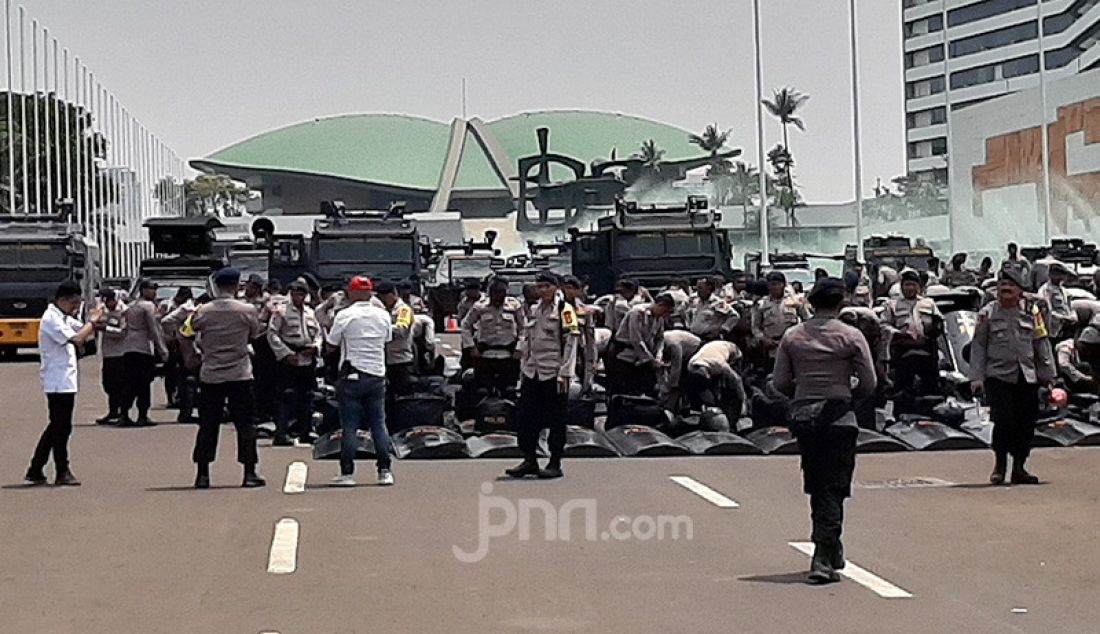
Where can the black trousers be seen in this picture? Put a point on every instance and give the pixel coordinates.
(213, 398)
(500, 375)
(55, 438)
(913, 366)
(295, 406)
(1014, 408)
(265, 371)
(139, 379)
(115, 385)
(399, 380)
(828, 463)
(173, 370)
(541, 406)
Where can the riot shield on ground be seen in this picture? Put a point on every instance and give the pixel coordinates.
(495, 445)
(870, 441)
(581, 442)
(718, 443)
(327, 447)
(774, 440)
(637, 440)
(927, 435)
(1066, 432)
(978, 424)
(429, 443)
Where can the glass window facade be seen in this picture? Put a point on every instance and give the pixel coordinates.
(995, 39)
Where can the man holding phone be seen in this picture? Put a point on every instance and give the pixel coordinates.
(548, 361)
(59, 337)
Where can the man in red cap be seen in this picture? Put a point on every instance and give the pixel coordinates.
(361, 332)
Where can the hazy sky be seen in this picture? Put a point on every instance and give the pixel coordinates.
(203, 74)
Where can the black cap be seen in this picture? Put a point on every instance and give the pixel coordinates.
(107, 293)
(385, 288)
(825, 289)
(145, 283)
(775, 276)
(909, 275)
(665, 299)
(228, 276)
(256, 279)
(472, 285)
(572, 282)
(546, 277)
(1058, 267)
(298, 285)
(1010, 275)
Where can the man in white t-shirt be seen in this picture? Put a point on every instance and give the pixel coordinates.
(361, 332)
(59, 336)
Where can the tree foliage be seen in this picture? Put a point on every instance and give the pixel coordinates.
(215, 195)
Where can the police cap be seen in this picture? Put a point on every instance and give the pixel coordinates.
(826, 291)
(665, 299)
(546, 277)
(297, 286)
(1090, 335)
(1009, 275)
(228, 276)
(256, 279)
(776, 276)
(909, 275)
(385, 288)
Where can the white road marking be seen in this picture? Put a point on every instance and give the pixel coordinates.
(295, 477)
(283, 559)
(705, 492)
(865, 578)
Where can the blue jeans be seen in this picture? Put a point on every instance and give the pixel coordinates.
(363, 404)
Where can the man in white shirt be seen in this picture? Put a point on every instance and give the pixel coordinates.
(59, 335)
(361, 332)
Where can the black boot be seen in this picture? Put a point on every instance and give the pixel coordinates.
(529, 466)
(111, 418)
(821, 566)
(1020, 474)
(552, 470)
(252, 480)
(202, 477)
(837, 558)
(998, 476)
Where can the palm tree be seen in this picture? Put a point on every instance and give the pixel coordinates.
(784, 104)
(651, 156)
(711, 141)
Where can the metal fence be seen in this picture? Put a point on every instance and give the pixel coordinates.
(67, 138)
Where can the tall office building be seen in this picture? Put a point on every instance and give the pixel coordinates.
(992, 50)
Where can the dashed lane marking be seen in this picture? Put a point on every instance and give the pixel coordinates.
(705, 492)
(865, 578)
(296, 477)
(283, 558)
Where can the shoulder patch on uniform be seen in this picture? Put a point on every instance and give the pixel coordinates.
(569, 319)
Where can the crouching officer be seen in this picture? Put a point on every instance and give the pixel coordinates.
(548, 350)
(295, 338)
(1010, 358)
(222, 329)
(910, 326)
(1077, 359)
(815, 363)
(490, 333)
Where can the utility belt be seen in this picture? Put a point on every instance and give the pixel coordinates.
(509, 348)
(815, 416)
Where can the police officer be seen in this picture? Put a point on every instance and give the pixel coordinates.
(423, 330)
(490, 334)
(222, 329)
(1010, 357)
(625, 298)
(142, 344)
(957, 274)
(910, 325)
(775, 313)
(1015, 263)
(709, 317)
(265, 368)
(190, 359)
(679, 347)
(295, 338)
(587, 354)
(815, 363)
(714, 382)
(113, 372)
(399, 350)
(1076, 359)
(636, 348)
(548, 350)
(471, 294)
(1063, 319)
(254, 291)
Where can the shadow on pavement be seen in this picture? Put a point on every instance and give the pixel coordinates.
(23, 485)
(174, 489)
(782, 578)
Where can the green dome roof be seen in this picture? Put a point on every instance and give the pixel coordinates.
(409, 152)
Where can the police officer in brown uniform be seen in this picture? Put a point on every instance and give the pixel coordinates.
(775, 313)
(223, 328)
(587, 352)
(142, 345)
(709, 316)
(490, 334)
(549, 359)
(1010, 358)
(399, 351)
(113, 371)
(910, 326)
(636, 347)
(815, 363)
(295, 338)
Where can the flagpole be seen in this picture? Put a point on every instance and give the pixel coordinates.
(764, 246)
(34, 104)
(49, 128)
(856, 154)
(1043, 123)
(23, 102)
(951, 229)
(11, 106)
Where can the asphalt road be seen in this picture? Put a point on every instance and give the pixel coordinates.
(136, 550)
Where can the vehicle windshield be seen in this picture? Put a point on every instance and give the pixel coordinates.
(470, 267)
(364, 250)
(168, 288)
(33, 254)
(250, 263)
(666, 244)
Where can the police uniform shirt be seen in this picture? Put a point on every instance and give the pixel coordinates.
(586, 321)
(773, 317)
(717, 358)
(618, 308)
(959, 277)
(824, 354)
(679, 346)
(1061, 312)
(549, 343)
(907, 315)
(493, 330)
(273, 303)
(114, 332)
(417, 303)
(464, 307)
(142, 330)
(1008, 342)
(399, 349)
(712, 317)
(223, 328)
(1087, 311)
(292, 332)
(1066, 355)
(641, 334)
